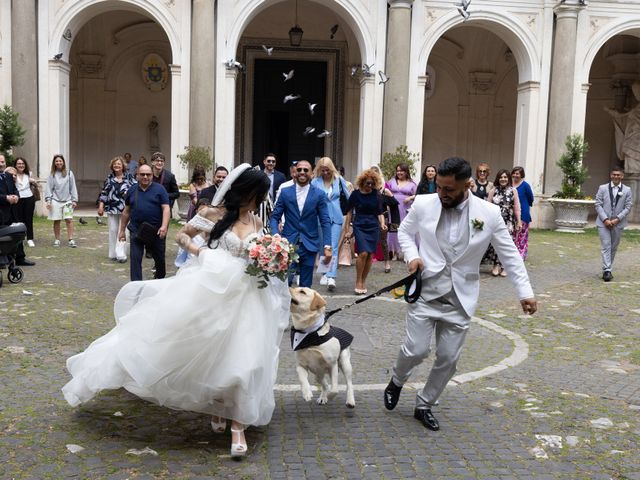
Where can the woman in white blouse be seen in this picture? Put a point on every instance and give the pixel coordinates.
(27, 203)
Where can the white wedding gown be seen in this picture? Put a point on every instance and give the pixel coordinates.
(206, 340)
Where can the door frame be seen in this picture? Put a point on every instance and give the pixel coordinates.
(333, 54)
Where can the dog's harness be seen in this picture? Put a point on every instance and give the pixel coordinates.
(412, 290)
(301, 339)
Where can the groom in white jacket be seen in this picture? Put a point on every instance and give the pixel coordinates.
(455, 229)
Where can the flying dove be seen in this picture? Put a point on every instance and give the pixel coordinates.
(287, 76)
(367, 70)
(384, 78)
(464, 14)
(291, 98)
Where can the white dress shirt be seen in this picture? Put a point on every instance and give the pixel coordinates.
(454, 221)
(301, 195)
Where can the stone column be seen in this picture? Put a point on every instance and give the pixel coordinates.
(563, 90)
(24, 77)
(394, 126)
(202, 88)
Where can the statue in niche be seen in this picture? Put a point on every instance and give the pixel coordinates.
(627, 130)
(154, 136)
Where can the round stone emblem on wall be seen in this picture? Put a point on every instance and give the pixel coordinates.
(155, 73)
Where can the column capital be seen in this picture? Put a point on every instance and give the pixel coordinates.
(400, 3)
(175, 69)
(528, 86)
(60, 65)
(569, 8)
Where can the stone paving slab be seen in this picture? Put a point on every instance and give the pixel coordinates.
(583, 366)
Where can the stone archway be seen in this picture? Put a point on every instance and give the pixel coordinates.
(613, 69)
(64, 25)
(518, 84)
(355, 33)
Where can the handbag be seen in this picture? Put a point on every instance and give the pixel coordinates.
(121, 251)
(147, 233)
(35, 190)
(344, 201)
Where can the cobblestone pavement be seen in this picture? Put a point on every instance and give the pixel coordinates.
(569, 410)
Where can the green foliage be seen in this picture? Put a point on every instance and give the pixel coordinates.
(402, 155)
(11, 132)
(574, 174)
(194, 155)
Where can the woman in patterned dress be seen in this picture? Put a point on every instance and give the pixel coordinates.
(506, 197)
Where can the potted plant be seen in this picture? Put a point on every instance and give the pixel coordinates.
(570, 204)
(402, 155)
(193, 155)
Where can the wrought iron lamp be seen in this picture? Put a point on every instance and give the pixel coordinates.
(295, 34)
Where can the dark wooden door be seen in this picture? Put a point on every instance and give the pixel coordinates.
(279, 127)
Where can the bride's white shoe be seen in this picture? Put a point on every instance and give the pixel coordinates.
(218, 426)
(239, 448)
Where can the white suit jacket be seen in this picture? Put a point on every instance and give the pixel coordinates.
(423, 219)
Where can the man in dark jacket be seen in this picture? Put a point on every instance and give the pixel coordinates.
(164, 177)
(8, 198)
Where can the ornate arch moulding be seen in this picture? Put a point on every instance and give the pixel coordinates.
(629, 25)
(518, 36)
(73, 15)
(352, 12)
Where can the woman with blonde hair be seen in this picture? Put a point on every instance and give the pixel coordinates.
(328, 179)
(111, 200)
(366, 209)
(61, 198)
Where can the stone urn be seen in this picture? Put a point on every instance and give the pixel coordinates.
(571, 214)
(184, 201)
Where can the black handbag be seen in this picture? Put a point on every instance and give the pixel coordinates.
(147, 233)
(344, 201)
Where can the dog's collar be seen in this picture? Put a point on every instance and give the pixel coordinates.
(297, 336)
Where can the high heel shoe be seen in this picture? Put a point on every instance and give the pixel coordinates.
(495, 271)
(220, 426)
(387, 269)
(238, 449)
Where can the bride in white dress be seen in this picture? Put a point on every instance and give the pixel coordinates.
(206, 340)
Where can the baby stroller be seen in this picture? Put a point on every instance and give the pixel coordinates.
(10, 238)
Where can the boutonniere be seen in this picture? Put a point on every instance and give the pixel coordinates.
(619, 194)
(477, 224)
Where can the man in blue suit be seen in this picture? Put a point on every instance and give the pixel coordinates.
(275, 177)
(304, 208)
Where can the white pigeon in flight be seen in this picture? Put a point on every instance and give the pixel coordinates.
(290, 98)
(288, 76)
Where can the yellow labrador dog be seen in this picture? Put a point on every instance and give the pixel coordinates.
(320, 348)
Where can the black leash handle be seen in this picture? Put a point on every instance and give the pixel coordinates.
(410, 295)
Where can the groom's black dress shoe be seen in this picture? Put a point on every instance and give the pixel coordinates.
(606, 276)
(426, 418)
(391, 395)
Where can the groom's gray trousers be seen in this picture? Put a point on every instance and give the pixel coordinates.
(609, 241)
(447, 319)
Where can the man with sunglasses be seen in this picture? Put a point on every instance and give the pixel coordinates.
(304, 207)
(275, 177)
(146, 206)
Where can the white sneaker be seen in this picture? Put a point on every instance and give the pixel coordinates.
(72, 243)
(331, 284)
(323, 280)
(30, 243)
(56, 243)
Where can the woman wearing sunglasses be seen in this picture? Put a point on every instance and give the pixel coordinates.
(366, 213)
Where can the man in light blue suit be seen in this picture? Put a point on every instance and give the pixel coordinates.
(307, 221)
(613, 204)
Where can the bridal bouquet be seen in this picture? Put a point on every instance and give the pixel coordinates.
(270, 256)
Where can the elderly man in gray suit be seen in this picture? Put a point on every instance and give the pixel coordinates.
(613, 204)
(455, 229)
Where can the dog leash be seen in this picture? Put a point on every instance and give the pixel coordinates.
(412, 288)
